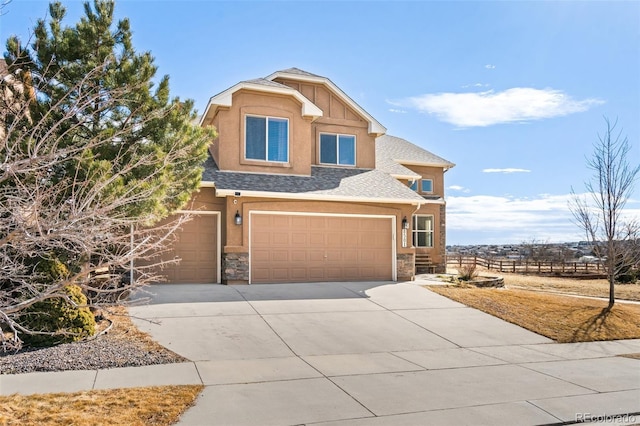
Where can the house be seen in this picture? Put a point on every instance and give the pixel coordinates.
(303, 185)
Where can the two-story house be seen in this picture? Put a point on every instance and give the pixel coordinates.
(302, 185)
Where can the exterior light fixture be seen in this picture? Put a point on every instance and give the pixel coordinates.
(405, 223)
(238, 218)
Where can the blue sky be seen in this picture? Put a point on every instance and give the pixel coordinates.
(514, 93)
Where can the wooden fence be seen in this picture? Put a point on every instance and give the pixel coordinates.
(527, 267)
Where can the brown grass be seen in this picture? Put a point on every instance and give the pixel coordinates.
(154, 406)
(594, 287)
(123, 328)
(561, 318)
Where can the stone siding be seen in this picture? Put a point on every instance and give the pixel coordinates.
(405, 266)
(235, 268)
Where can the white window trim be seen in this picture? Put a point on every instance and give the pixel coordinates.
(266, 140)
(337, 163)
(415, 231)
(422, 189)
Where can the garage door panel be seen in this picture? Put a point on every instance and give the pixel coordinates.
(299, 256)
(295, 248)
(280, 256)
(196, 245)
(280, 239)
(299, 239)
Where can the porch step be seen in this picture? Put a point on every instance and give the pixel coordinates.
(423, 264)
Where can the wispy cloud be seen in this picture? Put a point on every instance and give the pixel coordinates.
(398, 111)
(459, 188)
(490, 66)
(488, 108)
(544, 217)
(476, 85)
(507, 170)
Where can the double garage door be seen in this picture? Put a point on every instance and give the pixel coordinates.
(308, 248)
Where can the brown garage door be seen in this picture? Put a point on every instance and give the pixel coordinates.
(299, 248)
(196, 244)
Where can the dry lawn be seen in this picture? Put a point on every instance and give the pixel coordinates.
(154, 406)
(594, 288)
(561, 318)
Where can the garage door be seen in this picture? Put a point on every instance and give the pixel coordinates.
(301, 248)
(197, 245)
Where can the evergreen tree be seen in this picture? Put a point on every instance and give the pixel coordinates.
(93, 151)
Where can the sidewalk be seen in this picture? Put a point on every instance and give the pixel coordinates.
(346, 354)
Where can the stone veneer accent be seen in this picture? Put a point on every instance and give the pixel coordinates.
(235, 267)
(441, 268)
(405, 264)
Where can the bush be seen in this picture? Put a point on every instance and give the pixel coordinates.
(467, 272)
(66, 322)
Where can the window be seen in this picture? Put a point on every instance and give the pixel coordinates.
(413, 184)
(267, 139)
(337, 149)
(422, 231)
(427, 185)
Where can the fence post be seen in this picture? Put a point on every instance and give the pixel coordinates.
(514, 266)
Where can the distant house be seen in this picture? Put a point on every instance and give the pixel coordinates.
(303, 185)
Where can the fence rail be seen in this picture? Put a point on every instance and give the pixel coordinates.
(527, 267)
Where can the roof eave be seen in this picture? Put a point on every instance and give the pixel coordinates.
(225, 99)
(446, 166)
(322, 197)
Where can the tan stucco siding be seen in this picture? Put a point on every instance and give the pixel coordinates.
(229, 147)
(338, 117)
(238, 235)
(434, 173)
(435, 253)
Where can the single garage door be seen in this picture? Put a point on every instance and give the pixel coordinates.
(306, 248)
(196, 244)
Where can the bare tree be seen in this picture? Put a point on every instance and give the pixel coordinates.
(613, 237)
(82, 218)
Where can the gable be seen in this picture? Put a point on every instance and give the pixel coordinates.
(294, 75)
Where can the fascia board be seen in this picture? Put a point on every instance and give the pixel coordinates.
(446, 166)
(323, 197)
(225, 99)
(374, 125)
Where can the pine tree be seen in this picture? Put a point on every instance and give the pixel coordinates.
(92, 146)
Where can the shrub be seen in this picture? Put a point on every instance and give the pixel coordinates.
(63, 320)
(467, 272)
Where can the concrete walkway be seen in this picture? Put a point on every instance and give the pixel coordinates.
(362, 354)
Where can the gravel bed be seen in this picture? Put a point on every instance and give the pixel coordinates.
(124, 347)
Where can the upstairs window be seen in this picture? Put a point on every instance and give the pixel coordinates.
(413, 184)
(337, 149)
(427, 185)
(267, 139)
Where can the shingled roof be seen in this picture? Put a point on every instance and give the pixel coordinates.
(324, 183)
(392, 149)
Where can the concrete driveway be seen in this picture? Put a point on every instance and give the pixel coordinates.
(378, 354)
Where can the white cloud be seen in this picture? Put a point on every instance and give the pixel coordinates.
(490, 66)
(489, 108)
(399, 111)
(507, 170)
(480, 219)
(459, 188)
(476, 85)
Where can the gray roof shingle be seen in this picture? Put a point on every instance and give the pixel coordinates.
(392, 149)
(353, 183)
